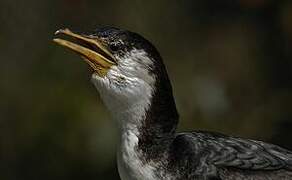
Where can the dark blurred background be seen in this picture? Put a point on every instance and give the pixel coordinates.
(230, 62)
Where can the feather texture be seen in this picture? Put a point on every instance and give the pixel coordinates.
(207, 155)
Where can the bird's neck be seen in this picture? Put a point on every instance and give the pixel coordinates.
(150, 123)
(159, 125)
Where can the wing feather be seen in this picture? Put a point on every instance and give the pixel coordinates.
(234, 156)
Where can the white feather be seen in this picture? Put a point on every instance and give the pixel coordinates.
(126, 91)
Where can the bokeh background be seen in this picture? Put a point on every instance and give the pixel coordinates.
(230, 62)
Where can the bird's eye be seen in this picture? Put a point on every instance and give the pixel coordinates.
(114, 47)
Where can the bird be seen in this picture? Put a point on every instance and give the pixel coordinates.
(132, 81)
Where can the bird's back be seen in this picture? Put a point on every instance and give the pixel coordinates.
(207, 155)
(239, 174)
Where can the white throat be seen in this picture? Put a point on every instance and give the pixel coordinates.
(127, 90)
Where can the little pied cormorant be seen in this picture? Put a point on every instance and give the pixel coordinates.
(133, 83)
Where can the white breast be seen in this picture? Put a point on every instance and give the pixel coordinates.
(130, 163)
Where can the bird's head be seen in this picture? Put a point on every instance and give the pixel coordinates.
(125, 66)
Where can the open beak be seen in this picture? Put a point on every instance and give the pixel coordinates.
(92, 50)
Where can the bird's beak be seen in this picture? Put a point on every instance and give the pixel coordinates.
(93, 50)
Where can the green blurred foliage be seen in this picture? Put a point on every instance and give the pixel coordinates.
(229, 62)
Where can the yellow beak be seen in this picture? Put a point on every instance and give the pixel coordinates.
(92, 50)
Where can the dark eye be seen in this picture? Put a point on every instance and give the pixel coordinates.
(114, 47)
